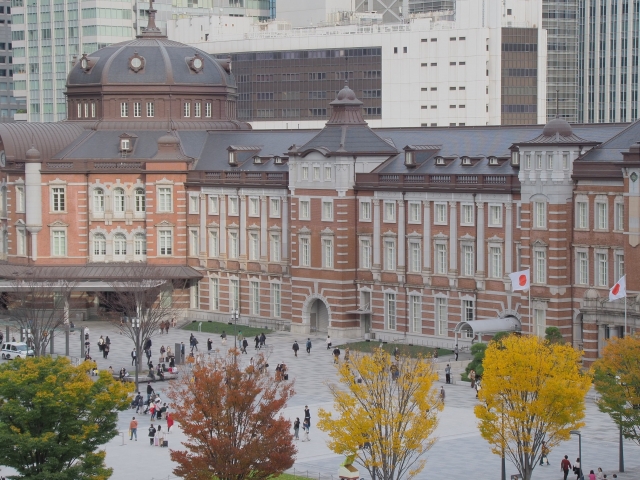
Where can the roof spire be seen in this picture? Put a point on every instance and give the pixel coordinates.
(151, 30)
(557, 104)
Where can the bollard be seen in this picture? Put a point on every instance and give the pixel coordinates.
(51, 342)
(66, 341)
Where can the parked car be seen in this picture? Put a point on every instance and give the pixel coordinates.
(16, 350)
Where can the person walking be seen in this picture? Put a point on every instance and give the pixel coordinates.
(169, 418)
(346, 354)
(133, 429)
(245, 344)
(182, 351)
(565, 465)
(149, 391)
(295, 347)
(336, 355)
(307, 414)
(224, 338)
(544, 455)
(105, 350)
(133, 358)
(152, 434)
(159, 437)
(447, 373)
(328, 342)
(296, 429)
(442, 395)
(309, 346)
(263, 340)
(472, 377)
(139, 402)
(456, 351)
(577, 469)
(209, 346)
(305, 429)
(257, 340)
(592, 476)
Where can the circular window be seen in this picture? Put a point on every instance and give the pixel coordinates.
(136, 63)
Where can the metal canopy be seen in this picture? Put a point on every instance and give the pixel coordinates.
(99, 272)
(490, 325)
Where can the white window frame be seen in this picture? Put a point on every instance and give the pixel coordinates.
(304, 212)
(165, 242)
(365, 210)
(214, 293)
(540, 215)
(441, 310)
(316, 172)
(234, 294)
(233, 209)
(304, 174)
(254, 206)
(275, 207)
(582, 214)
(390, 310)
(254, 297)
(601, 268)
(124, 109)
(618, 212)
(618, 264)
(275, 247)
(495, 261)
(539, 322)
(194, 204)
(119, 245)
(327, 210)
(119, 200)
(415, 256)
(207, 110)
(441, 258)
(467, 217)
(214, 243)
(468, 310)
(327, 173)
(549, 161)
(140, 246)
(234, 244)
(365, 253)
(214, 205)
(99, 246)
(165, 199)
(194, 242)
(390, 254)
(98, 200)
(327, 252)
(468, 260)
(140, 200)
(276, 300)
(305, 251)
(21, 241)
(58, 198)
(137, 109)
(254, 246)
(540, 266)
(601, 212)
(495, 215)
(20, 199)
(197, 109)
(415, 213)
(186, 110)
(58, 242)
(415, 313)
(151, 110)
(582, 267)
(389, 215)
(440, 213)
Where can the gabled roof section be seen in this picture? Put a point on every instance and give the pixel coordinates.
(558, 131)
(611, 150)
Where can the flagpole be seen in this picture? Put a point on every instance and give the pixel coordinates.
(530, 316)
(625, 314)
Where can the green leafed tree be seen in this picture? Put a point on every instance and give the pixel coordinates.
(553, 335)
(54, 417)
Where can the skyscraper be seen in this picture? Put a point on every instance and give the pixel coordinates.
(8, 104)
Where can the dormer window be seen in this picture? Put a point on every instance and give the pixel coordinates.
(277, 160)
(466, 161)
(409, 158)
(125, 145)
(440, 161)
(257, 160)
(515, 157)
(493, 161)
(233, 158)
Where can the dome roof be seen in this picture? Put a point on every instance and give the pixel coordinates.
(148, 61)
(33, 154)
(557, 126)
(346, 96)
(169, 139)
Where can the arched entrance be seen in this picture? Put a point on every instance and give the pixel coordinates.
(318, 316)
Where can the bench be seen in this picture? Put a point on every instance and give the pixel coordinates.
(146, 378)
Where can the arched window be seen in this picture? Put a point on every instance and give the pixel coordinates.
(118, 200)
(140, 245)
(99, 245)
(98, 200)
(140, 200)
(119, 245)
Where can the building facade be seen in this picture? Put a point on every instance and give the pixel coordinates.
(9, 105)
(405, 234)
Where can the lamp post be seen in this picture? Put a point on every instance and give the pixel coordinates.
(234, 316)
(621, 446)
(577, 432)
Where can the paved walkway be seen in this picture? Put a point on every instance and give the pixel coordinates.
(459, 453)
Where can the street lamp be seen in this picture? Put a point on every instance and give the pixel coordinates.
(577, 432)
(621, 445)
(234, 316)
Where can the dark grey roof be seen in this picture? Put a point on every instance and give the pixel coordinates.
(610, 150)
(48, 138)
(111, 272)
(165, 63)
(340, 139)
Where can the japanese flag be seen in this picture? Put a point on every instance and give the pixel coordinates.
(520, 280)
(619, 290)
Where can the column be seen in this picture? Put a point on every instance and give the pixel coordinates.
(286, 235)
(263, 229)
(243, 227)
(376, 234)
(480, 240)
(453, 237)
(203, 225)
(426, 224)
(222, 236)
(508, 238)
(401, 236)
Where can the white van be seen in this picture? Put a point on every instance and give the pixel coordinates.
(16, 350)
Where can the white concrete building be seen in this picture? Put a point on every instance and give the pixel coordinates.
(434, 72)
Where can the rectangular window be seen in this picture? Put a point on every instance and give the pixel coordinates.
(165, 242)
(186, 111)
(327, 173)
(365, 211)
(275, 207)
(441, 214)
(415, 257)
(390, 310)
(389, 211)
(57, 199)
(254, 246)
(254, 298)
(233, 245)
(93, 110)
(618, 266)
(540, 214)
(540, 267)
(414, 212)
(602, 264)
(150, 109)
(137, 109)
(194, 242)
(582, 214)
(214, 293)
(207, 110)
(59, 243)
(305, 210)
(468, 261)
(441, 258)
(565, 161)
(194, 204)
(527, 161)
(365, 253)
(619, 216)
(305, 172)
(254, 207)
(276, 300)
(305, 252)
(21, 247)
(164, 199)
(213, 205)
(233, 206)
(234, 294)
(275, 247)
(538, 161)
(327, 210)
(389, 255)
(495, 215)
(583, 268)
(214, 244)
(467, 310)
(196, 108)
(415, 313)
(549, 161)
(124, 109)
(316, 173)
(539, 322)
(139, 245)
(601, 216)
(467, 215)
(441, 315)
(20, 199)
(495, 262)
(327, 253)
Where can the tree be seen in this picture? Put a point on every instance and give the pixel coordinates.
(386, 411)
(532, 391)
(39, 306)
(477, 350)
(53, 417)
(145, 298)
(553, 335)
(231, 417)
(617, 380)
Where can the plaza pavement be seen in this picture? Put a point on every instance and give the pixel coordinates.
(460, 452)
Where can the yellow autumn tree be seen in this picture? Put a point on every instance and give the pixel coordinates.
(617, 380)
(532, 391)
(385, 413)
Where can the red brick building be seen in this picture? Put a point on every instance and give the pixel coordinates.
(400, 233)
